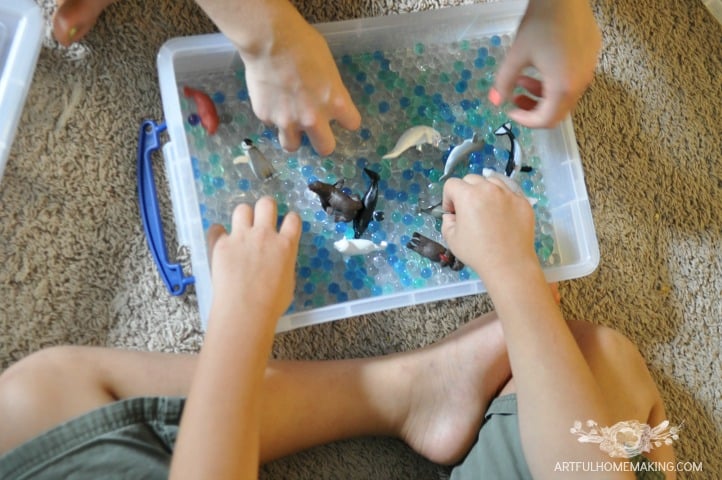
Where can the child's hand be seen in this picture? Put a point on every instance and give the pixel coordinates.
(252, 267)
(490, 227)
(297, 87)
(562, 40)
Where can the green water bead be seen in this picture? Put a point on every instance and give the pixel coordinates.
(444, 77)
(419, 221)
(396, 216)
(534, 161)
(208, 190)
(419, 283)
(382, 150)
(483, 84)
(458, 66)
(292, 163)
(490, 138)
(372, 109)
(419, 48)
(365, 100)
(328, 164)
(349, 170)
(214, 159)
(434, 175)
(319, 301)
(217, 170)
(240, 119)
(435, 189)
(490, 61)
(464, 45)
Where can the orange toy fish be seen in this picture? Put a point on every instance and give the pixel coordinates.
(206, 109)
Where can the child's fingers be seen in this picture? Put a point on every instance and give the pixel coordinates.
(215, 232)
(549, 111)
(346, 114)
(321, 137)
(265, 213)
(507, 75)
(242, 217)
(290, 138)
(291, 227)
(74, 18)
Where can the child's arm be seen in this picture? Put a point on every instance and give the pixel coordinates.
(253, 279)
(561, 39)
(292, 79)
(492, 230)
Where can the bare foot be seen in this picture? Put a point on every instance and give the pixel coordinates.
(451, 385)
(74, 18)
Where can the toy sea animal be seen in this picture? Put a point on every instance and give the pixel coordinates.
(513, 165)
(513, 186)
(460, 153)
(260, 165)
(434, 251)
(206, 109)
(434, 210)
(366, 214)
(414, 137)
(335, 202)
(358, 246)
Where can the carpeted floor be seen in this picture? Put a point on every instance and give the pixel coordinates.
(76, 268)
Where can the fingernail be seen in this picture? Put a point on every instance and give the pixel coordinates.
(72, 32)
(494, 96)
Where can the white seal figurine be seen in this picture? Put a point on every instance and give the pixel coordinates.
(414, 137)
(460, 153)
(358, 246)
(513, 186)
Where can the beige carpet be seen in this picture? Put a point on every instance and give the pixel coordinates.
(76, 269)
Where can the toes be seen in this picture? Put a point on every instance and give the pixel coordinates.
(74, 18)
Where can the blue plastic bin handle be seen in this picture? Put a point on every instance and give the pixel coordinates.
(171, 273)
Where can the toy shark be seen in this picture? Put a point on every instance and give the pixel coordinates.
(460, 153)
(414, 137)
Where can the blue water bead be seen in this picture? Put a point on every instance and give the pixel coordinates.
(404, 239)
(408, 219)
(307, 171)
(466, 74)
(346, 59)
(320, 215)
(482, 52)
(334, 288)
(206, 224)
(304, 272)
(347, 190)
(495, 40)
(309, 287)
(461, 86)
(392, 259)
(426, 272)
(376, 291)
(437, 99)
(527, 185)
(323, 252)
(402, 196)
(385, 65)
(369, 89)
(361, 77)
(244, 184)
(404, 102)
(194, 119)
(389, 194)
(418, 166)
(476, 168)
(327, 265)
(384, 106)
(480, 62)
(459, 130)
(305, 142)
(466, 104)
(357, 284)
(391, 248)
(361, 162)
(341, 228)
(365, 133)
(218, 97)
(378, 237)
(414, 188)
(464, 274)
(305, 226)
(319, 241)
(219, 182)
(349, 275)
(242, 94)
(315, 263)
(373, 227)
(419, 90)
(378, 55)
(406, 281)
(421, 111)
(342, 297)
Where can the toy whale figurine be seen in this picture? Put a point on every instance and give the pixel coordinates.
(335, 202)
(262, 167)
(434, 251)
(513, 186)
(367, 213)
(358, 246)
(206, 109)
(460, 153)
(434, 210)
(414, 137)
(513, 165)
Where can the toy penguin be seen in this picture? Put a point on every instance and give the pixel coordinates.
(260, 165)
(434, 251)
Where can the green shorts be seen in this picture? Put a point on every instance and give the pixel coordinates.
(498, 453)
(132, 438)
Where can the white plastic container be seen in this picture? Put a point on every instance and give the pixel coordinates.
(21, 24)
(181, 58)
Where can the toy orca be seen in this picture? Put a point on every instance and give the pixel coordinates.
(513, 165)
(366, 214)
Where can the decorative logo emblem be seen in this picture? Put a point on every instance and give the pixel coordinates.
(626, 439)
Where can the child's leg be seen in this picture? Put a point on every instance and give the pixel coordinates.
(433, 398)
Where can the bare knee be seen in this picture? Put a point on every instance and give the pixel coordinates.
(42, 390)
(618, 367)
